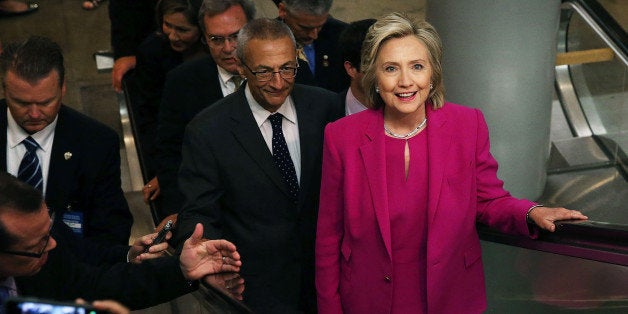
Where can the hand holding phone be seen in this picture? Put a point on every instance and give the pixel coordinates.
(161, 236)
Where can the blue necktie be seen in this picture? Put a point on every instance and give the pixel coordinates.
(281, 155)
(30, 169)
(311, 56)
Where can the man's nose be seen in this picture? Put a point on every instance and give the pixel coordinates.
(313, 33)
(33, 111)
(230, 46)
(276, 81)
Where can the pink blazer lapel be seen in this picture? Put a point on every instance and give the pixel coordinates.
(374, 158)
(438, 142)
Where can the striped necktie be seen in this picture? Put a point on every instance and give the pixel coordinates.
(237, 81)
(30, 168)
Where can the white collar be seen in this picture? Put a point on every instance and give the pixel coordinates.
(261, 115)
(15, 133)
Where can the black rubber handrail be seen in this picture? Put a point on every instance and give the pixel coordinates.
(593, 240)
(608, 24)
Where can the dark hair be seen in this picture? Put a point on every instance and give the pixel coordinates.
(33, 59)
(262, 28)
(311, 7)
(18, 196)
(350, 41)
(215, 7)
(189, 9)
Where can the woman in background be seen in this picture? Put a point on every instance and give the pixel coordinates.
(403, 189)
(178, 40)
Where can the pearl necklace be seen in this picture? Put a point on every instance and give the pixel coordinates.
(406, 136)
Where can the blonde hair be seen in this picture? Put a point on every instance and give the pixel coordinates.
(399, 25)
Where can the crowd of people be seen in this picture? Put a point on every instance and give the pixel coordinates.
(317, 159)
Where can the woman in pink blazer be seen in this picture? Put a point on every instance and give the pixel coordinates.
(400, 196)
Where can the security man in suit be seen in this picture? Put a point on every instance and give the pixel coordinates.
(72, 159)
(251, 170)
(317, 35)
(195, 85)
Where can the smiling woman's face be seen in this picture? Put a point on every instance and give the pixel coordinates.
(404, 74)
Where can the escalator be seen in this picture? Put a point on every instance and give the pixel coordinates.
(583, 266)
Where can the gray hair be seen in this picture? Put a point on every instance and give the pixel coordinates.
(215, 7)
(264, 29)
(312, 7)
(399, 25)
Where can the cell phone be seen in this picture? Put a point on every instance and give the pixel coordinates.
(161, 236)
(22, 305)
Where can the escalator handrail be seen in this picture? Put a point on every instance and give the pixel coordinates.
(612, 33)
(606, 22)
(593, 240)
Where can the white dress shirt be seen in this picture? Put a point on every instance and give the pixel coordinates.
(226, 84)
(352, 104)
(9, 282)
(15, 150)
(289, 125)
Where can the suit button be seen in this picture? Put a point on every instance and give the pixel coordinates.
(387, 278)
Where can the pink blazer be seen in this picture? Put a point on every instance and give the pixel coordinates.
(353, 244)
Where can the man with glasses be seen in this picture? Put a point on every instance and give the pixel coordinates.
(251, 170)
(33, 263)
(317, 35)
(72, 159)
(195, 85)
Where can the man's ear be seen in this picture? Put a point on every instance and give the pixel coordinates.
(350, 69)
(240, 67)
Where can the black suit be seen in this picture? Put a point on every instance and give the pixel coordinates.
(131, 22)
(233, 187)
(88, 181)
(330, 71)
(189, 88)
(155, 58)
(137, 286)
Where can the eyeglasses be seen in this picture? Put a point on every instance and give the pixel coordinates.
(219, 41)
(43, 249)
(285, 72)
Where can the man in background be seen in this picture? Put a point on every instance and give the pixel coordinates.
(316, 33)
(350, 43)
(72, 159)
(195, 85)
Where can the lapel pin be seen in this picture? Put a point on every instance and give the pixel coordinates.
(67, 155)
(325, 60)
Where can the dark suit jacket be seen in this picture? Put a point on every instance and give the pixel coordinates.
(89, 181)
(131, 22)
(233, 187)
(330, 72)
(137, 286)
(155, 58)
(189, 88)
